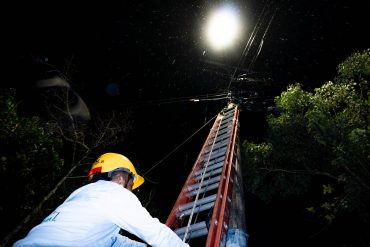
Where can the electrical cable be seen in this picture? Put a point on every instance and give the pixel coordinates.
(178, 146)
(251, 39)
(202, 97)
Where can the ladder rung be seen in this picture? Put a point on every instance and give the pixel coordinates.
(215, 153)
(228, 111)
(195, 230)
(214, 156)
(217, 146)
(218, 138)
(225, 136)
(204, 189)
(204, 200)
(209, 167)
(227, 119)
(224, 126)
(228, 115)
(211, 162)
(214, 172)
(205, 183)
(210, 173)
(226, 122)
(223, 131)
(197, 209)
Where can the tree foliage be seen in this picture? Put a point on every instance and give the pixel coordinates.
(318, 143)
(30, 161)
(42, 155)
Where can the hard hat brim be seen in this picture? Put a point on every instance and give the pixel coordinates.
(138, 181)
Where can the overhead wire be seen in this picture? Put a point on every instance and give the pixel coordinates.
(202, 97)
(216, 96)
(219, 96)
(251, 40)
(178, 146)
(261, 42)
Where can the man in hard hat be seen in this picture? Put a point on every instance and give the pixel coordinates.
(94, 214)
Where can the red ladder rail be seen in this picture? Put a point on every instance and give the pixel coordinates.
(220, 218)
(213, 171)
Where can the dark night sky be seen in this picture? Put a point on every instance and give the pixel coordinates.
(154, 50)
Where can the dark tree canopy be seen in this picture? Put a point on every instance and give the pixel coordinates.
(40, 155)
(30, 161)
(318, 147)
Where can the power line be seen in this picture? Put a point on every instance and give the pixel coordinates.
(178, 146)
(251, 40)
(204, 97)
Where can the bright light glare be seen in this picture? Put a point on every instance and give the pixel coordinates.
(223, 28)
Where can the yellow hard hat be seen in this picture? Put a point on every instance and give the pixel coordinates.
(110, 162)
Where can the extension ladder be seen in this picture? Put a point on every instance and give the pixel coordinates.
(202, 210)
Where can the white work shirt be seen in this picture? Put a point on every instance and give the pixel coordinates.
(93, 215)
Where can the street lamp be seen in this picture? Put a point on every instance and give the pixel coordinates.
(223, 28)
